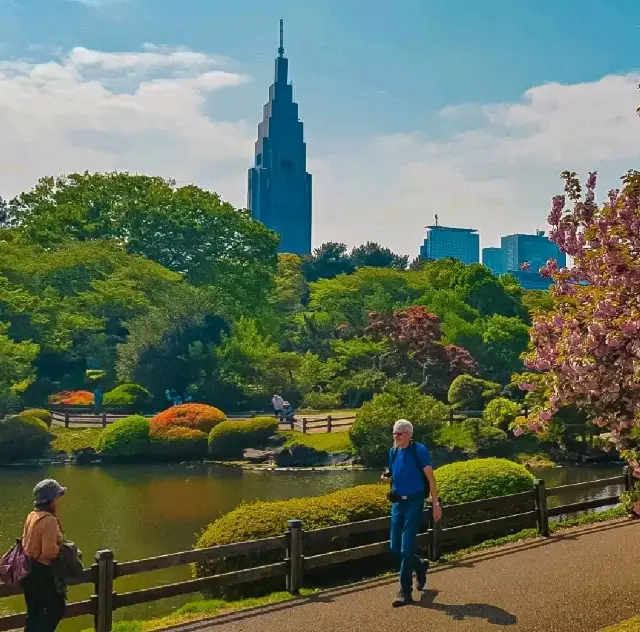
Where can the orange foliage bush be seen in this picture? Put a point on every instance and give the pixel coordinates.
(195, 416)
(71, 398)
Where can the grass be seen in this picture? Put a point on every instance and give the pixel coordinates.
(70, 439)
(630, 625)
(327, 442)
(198, 610)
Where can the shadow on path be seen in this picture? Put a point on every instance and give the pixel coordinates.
(460, 612)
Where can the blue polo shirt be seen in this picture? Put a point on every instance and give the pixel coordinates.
(407, 477)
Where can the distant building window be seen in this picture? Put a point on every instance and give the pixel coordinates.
(259, 159)
(287, 164)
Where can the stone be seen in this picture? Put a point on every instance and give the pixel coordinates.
(275, 441)
(257, 456)
(85, 456)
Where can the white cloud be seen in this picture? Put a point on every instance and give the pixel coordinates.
(142, 112)
(499, 177)
(149, 111)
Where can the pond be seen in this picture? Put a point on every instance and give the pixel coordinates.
(147, 510)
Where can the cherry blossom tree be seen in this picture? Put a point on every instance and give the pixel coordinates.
(588, 346)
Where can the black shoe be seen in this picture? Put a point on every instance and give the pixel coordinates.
(421, 575)
(402, 599)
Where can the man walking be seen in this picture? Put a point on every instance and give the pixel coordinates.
(412, 480)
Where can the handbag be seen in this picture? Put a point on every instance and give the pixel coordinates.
(15, 564)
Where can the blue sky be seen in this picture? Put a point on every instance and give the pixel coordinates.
(405, 109)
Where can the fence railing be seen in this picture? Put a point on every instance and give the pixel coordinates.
(296, 541)
(326, 424)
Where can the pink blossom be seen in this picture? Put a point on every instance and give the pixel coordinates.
(525, 267)
(545, 415)
(518, 431)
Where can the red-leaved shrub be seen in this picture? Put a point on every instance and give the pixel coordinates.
(71, 398)
(195, 416)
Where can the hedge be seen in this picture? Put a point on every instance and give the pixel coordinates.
(23, 437)
(471, 393)
(71, 398)
(39, 413)
(195, 416)
(128, 395)
(126, 438)
(501, 412)
(458, 482)
(174, 442)
(229, 439)
(371, 431)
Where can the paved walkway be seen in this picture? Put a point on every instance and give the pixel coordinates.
(581, 580)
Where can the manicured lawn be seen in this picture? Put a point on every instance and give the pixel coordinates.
(325, 441)
(630, 625)
(69, 439)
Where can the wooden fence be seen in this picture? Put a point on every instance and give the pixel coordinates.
(294, 563)
(329, 423)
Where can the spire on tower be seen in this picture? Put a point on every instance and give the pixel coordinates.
(281, 49)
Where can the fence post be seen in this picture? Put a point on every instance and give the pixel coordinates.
(328, 423)
(294, 555)
(291, 422)
(66, 420)
(526, 411)
(435, 541)
(105, 571)
(450, 415)
(104, 420)
(304, 425)
(542, 507)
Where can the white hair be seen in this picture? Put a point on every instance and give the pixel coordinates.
(402, 425)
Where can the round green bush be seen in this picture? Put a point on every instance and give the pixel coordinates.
(131, 396)
(126, 438)
(266, 519)
(173, 442)
(23, 437)
(478, 479)
(321, 401)
(39, 413)
(501, 412)
(229, 439)
(371, 431)
(471, 393)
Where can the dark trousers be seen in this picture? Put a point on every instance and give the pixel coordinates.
(406, 518)
(45, 605)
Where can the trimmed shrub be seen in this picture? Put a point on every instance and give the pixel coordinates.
(371, 431)
(126, 438)
(39, 413)
(228, 439)
(481, 478)
(268, 519)
(71, 398)
(501, 412)
(23, 437)
(131, 396)
(458, 482)
(175, 442)
(321, 401)
(471, 393)
(195, 416)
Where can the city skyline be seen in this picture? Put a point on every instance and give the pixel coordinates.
(421, 112)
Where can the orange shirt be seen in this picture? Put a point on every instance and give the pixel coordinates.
(42, 537)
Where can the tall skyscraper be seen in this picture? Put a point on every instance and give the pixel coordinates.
(535, 250)
(279, 191)
(442, 242)
(492, 259)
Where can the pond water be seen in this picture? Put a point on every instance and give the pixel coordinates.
(147, 510)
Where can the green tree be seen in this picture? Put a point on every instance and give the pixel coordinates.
(375, 256)
(472, 394)
(185, 229)
(16, 368)
(327, 262)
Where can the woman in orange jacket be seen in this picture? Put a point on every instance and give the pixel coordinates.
(41, 540)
